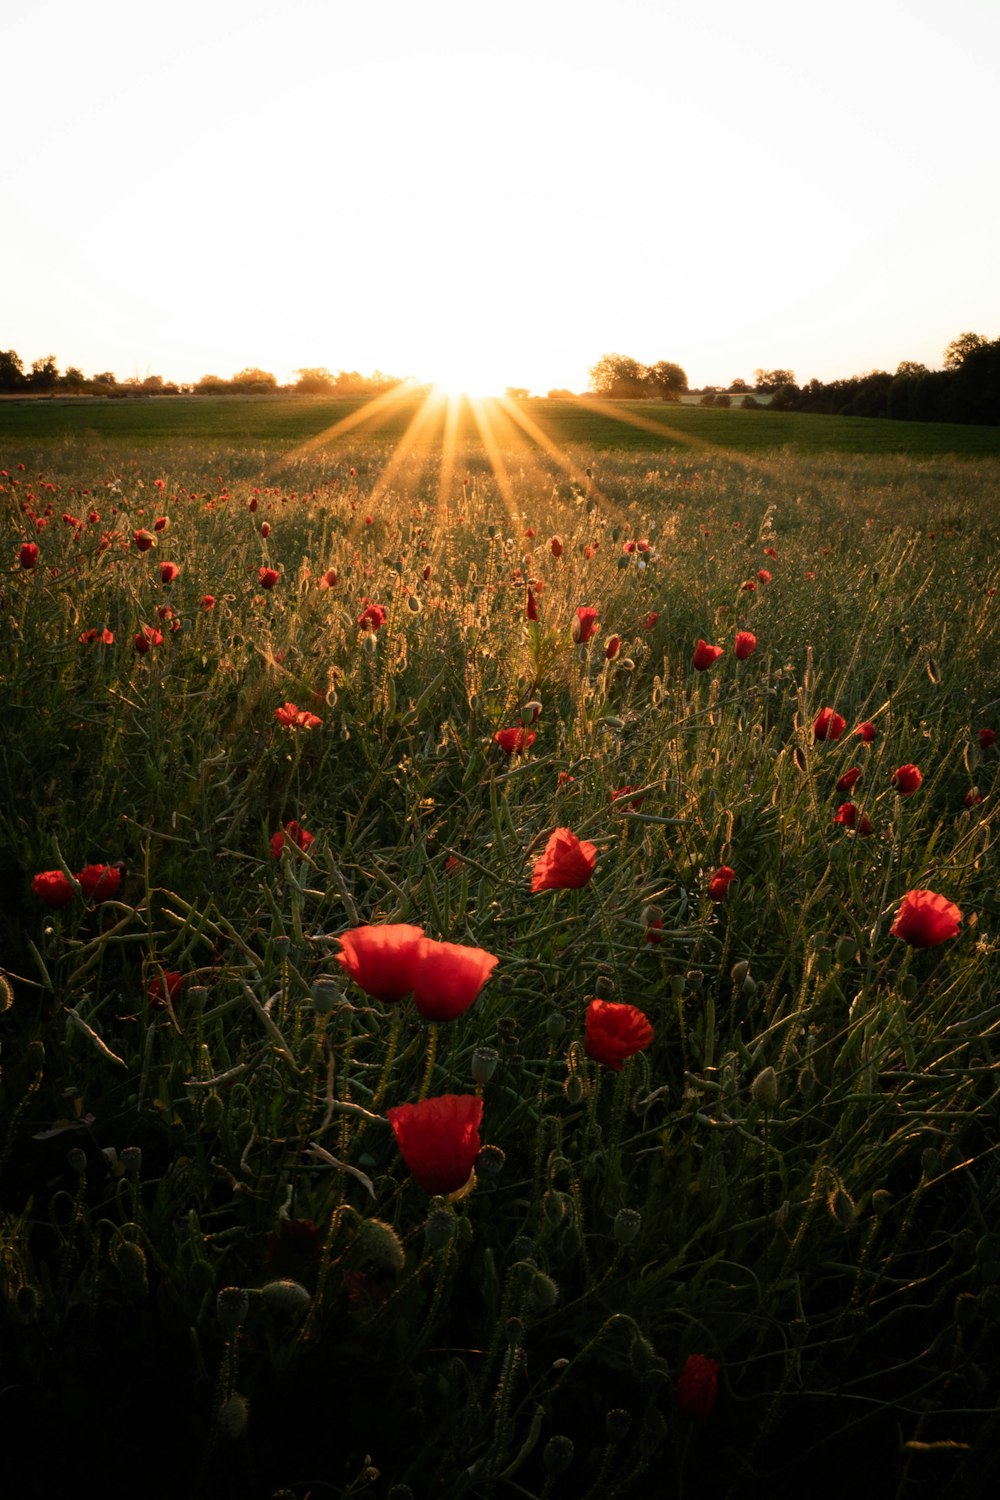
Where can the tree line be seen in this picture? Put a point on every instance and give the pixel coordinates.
(44, 379)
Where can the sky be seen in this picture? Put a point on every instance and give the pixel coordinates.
(490, 195)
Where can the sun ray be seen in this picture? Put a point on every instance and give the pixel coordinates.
(540, 437)
(481, 411)
(376, 407)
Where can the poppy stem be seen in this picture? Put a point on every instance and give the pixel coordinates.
(390, 1056)
(432, 1040)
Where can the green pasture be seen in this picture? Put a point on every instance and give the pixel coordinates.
(85, 424)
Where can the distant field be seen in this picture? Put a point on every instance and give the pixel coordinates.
(280, 421)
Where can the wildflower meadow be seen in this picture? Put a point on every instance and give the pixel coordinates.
(499, 979)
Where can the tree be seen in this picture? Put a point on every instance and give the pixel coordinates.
(666, 380)
(12, 376)
(316, 381)
(618, 377)
(959, 349)
(737, 386)
(254, 382)
(771, 380)
(44, 374)
(517, 393)
(911, 367)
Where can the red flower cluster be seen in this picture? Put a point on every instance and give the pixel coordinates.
(439, 1139)
(745, 644)
(292, 717)
(294, 836)
(28, 554)
(615, 1032)
(829, 725)
(268, 577)
(705, 655)
(390, 960)
(566, 863)
(146, 638)
(168, 572)
(926, 919)
(718, 886)
(97, 882)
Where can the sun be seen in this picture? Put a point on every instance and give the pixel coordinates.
(466, 374)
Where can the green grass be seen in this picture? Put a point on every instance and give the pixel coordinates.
(827, 1234)
(270, 422)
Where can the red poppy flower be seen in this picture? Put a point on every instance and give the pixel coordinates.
(531, 607)
(849, 780)
(697, 1387)
(328, 579)
(705, 655)
(585, 624)
(650, 620)
(448, 977)
(268, 577)
(906, 779)
(850, 816)
(146, 638)
(290, 716)
(168, 572)
(867, 732)
(28, 554)
(294, 835)
(161, 523)
(614, 1032)
(612, 646)
(770, 551)
(829, 725)
(987, 737)
(626, 791)
(718, 886)
(208, 601)
(973, 797)
(763, 576)
(53, 887)
(556, 546)
(566, 863)
(158, 995)
(100, 882)
(654, 930)
(745, 644)
(372, 618)
(144, 540)
(439, 1139)
(926, 919)
(381, 960)
(510, 740)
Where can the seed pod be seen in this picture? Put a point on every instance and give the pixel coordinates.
(617, 1424)
(490, 1162)
(558, 1454)
(603, 987)
(628, 1222)
(695, 980)
(439, 1229)
(484, 1064)
(326, 995)
(881, 1201)
(555, 1024)
(130, 1260)
(845, 950)
(231, 1307)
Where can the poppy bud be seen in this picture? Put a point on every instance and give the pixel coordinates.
(739, 972)
(381, 1244)
(678, 984)
(530, 712)
(845, 950)
(544, 1292)
(287, 1296)
(573, 1089)
(130, 1262)
(764, 1089)
(603, 987)
(555, 1025)
(131, 1160)
(841, 1206)
(77, 1160)
(232, 1417)
(695, 979)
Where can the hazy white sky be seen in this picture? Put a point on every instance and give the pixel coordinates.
(498, 193)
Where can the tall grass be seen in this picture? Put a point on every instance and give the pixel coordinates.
(207, 1229)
